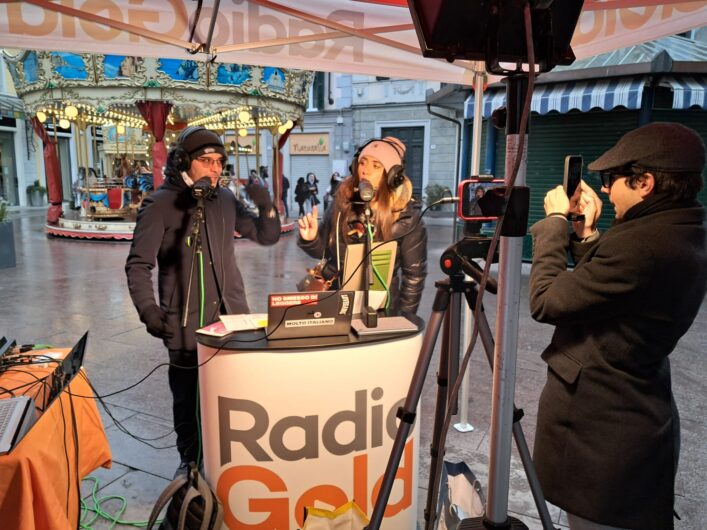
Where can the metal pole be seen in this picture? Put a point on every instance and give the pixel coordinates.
(507, 317)
(479, 80)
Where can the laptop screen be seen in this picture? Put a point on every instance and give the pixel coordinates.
(309, 314)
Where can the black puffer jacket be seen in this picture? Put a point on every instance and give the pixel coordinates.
(410, 261)
(163, 226)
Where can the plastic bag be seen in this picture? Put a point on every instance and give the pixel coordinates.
(460, 496)
(346, 517)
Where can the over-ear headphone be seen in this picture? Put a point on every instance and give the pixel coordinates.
(178, 156)
(395, 176)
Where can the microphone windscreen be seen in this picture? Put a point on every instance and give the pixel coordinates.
(366, 191)
(202, 188)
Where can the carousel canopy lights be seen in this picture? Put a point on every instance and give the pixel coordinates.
(120, 128)
(244, 116)
(242, 132)
(64, 123)
(41, 116)
(71, 111)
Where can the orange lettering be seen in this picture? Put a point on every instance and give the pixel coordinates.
(100, 32)
(632, 20)
(179, 28)
(138, 18)
(68, 23)
(277, 508)
(361, 482)
(18, 24)
(403, 473)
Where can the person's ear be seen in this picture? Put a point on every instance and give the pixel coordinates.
(646, 185)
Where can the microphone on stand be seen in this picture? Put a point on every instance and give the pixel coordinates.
(202, 189)
(366, 193)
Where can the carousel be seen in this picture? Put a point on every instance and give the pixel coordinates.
(121, 113)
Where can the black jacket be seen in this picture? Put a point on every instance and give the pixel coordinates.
(164, 226)
(607, 433)
(410, 261)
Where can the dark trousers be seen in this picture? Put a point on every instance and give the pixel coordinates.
(183, 382)
(287, 208)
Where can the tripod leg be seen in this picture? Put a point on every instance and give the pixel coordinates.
(407, 412)
(448, 370)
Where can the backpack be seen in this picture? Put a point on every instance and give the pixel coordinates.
(192, 504)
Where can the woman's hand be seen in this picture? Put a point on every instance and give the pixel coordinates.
(589, 205)
(309, 225)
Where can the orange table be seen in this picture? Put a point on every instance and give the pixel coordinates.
(38, 478)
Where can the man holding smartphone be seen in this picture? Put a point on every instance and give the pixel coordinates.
(607, 439)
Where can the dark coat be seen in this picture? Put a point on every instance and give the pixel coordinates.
(163, 225)
(410, 260)
(608, 433)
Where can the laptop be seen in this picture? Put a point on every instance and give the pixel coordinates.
(17, 415)
(309, 314)
(67, 370)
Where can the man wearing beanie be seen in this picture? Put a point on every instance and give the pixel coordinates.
(607, 439)
(165, 236)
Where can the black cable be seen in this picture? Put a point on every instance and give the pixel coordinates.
(66, 457)
(76, 455)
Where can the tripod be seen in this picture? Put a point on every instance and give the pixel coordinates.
(446, 307)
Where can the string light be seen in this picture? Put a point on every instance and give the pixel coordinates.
(71, 111)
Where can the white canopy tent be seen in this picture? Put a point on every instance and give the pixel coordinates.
(374, 37)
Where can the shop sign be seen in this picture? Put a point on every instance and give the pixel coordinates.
(309, 144)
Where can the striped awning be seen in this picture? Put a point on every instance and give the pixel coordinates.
(688, 91)
(11, 106)
(605, 94)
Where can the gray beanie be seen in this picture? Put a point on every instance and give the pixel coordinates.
(200, 141)
(660, 146)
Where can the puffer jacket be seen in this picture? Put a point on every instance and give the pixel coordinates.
(411, 257)
(162, 237)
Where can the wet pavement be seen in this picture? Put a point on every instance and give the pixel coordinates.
(61, 288)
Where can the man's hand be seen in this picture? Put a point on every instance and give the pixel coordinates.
(259, 195)
(589, 205)
(309, 225)
(156, 323)
(556, 201)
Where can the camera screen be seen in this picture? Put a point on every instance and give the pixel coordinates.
(481, 200)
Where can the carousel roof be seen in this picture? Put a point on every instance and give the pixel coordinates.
(105, 88)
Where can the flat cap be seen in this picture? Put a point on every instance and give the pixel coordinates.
(659, 146)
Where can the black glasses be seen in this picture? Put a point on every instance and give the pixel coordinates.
(609, 177)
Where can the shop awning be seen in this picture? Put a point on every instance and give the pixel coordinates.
(605, 94)
(11, 107)
(688, 91)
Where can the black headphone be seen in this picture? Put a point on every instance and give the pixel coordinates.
(179, 158)
(395, 176)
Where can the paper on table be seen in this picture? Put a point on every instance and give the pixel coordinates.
(375, 298)
(245, 322)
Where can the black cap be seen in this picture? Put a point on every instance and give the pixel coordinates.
(198, 141)
(660, 146)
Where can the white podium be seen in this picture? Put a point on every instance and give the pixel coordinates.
(306, 422)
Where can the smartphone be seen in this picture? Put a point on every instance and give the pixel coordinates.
(481, 198)
(573, 174)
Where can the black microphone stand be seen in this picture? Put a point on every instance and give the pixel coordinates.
(369, 315)
(196, 251)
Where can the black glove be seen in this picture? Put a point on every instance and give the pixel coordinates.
(260, 196)
(156, 323)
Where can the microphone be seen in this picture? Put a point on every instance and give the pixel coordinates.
(366, 191)
(202, 189)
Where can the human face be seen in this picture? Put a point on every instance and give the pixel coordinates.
(207, 166)
(621, 195)
(370, 169)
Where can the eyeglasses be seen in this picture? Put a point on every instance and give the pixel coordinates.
(211, 162)
(609, 177)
